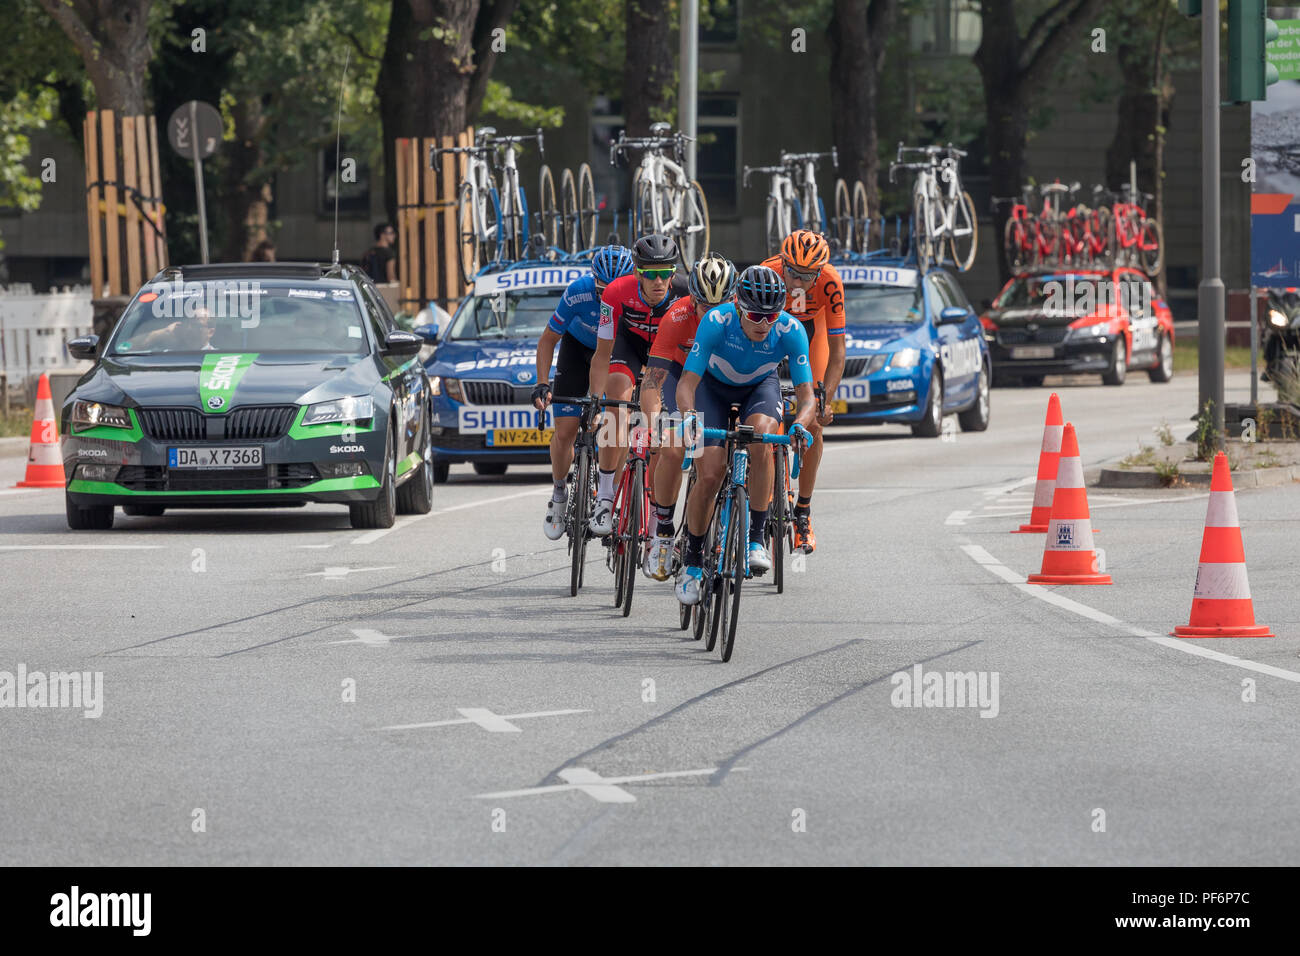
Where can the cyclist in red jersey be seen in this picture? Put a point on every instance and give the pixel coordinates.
(712, 282)
(630, 310)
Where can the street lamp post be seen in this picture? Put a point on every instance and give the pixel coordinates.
(1211, 300)
(688, 88)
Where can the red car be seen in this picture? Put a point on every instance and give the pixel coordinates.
(1068, 321)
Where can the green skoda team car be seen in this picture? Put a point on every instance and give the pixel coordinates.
(247, 385)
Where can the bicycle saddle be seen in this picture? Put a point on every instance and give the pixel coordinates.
(485, 131)
(659, 129)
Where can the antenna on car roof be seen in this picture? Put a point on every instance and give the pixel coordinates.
(338, 160)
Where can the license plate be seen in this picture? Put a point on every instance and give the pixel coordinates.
(245, 456)
(839, 406)
(517, 437)
(1033, 352)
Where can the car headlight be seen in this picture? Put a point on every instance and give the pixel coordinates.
(905, 358)
(450, 387)
(1277, 318)
(93, 414)
(1096, 330)
(354, 408)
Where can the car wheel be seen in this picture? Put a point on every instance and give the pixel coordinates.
(143, 511)
(932, 424)
(976, 418)
(1118, 370)
(415, 497)
(441, 472)
(1164, 370)
(92, 518)
(494, 468)
(381, 512)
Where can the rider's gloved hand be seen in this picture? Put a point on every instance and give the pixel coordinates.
(801, 435)
(542, 395)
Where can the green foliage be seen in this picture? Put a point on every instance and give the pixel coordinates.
(499, 101)
(19, 188)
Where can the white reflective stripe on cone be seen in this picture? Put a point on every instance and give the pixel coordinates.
(1052, 437)
(1069, 534)
(44, 410)
(1222, 582)
(43, 454)
(1070, 473)
(1043, 492)
(1222, 512)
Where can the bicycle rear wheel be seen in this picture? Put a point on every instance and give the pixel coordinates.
(843, 216)
(861, 235)
(776, 517)
(568, 212)
(965, 237)
(587, 211)
(712, 576)
(1014, 242)
(472, 251)
(548, 214)
(643, 206)
(921, 238)
(737, 542)
(1151, 247)
(632, 543)
(578, 530)
(694, 219)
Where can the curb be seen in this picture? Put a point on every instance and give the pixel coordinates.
(1143, 477)
(13, 447)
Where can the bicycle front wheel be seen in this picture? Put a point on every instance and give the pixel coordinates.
(812, 209)
(472, 253)
(777, 516)
(587, 211)
(965, 233)
(694, 219)
(548, 214)
(774, 233)
(843, 216)
(737, 543)
(568, 212)
(861, 234)
(712, 574)
(632, 543)
(578, 529)
(921, 236)
(643, 205)
(1151, 247)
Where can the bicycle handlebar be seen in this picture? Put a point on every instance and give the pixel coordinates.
(486, 141)
(787, 158)
(746, 171)
(625, 143)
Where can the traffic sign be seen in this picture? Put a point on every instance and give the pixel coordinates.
(191, 123)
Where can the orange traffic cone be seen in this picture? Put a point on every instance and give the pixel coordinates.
(44, 462)
(1048, 460)
(1221, 604)
(1068, 555)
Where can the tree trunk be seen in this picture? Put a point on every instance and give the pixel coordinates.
(112, 37)
(424, 79)
(245, 198)
(648, 65)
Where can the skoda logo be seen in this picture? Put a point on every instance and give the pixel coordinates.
(523, 376)
(1032, 326)
(216, 401)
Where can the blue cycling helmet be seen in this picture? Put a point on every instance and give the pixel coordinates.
(761, 290)
(610, 262)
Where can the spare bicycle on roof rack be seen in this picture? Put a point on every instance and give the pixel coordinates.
(943, 214)
(792, 198)
(664, 200)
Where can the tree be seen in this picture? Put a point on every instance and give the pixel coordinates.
(437, 61)
(112, 37)
(1016, 68)
(647, 64)
(857, 34)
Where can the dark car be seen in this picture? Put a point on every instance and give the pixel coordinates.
(1069, 321)
(245, 385)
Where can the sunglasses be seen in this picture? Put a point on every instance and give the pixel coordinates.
(800, 274)
(658, 273)
(768, 317)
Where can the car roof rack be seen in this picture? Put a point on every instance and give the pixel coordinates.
(259, 270)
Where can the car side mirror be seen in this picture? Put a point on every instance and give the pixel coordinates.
(953, 315)
(403, 343)
(84, 347)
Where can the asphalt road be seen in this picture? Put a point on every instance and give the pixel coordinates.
(498, 721)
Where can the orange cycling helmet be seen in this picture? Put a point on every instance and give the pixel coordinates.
(807, 250)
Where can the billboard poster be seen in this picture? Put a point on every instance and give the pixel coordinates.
(1275, 147)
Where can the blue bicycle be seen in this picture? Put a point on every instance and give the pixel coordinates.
(726, 546)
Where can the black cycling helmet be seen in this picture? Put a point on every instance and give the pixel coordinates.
(655, 249)
(761, 290)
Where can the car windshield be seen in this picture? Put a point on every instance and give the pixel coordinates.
(882, 305)
(513, 315)
(241, 316)
(1031, 292)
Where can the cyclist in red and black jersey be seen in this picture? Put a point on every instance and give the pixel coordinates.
(630, 310)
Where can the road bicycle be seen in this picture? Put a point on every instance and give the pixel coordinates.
(1138, 241)
(792, 200)
(578, 210)
(942, 212)
(632, 516)
(780, 513)
(726, 552)
(492, 223)
(664, 200)
(1090, 228)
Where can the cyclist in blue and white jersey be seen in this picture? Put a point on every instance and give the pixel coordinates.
(573, 326)
(733, 362)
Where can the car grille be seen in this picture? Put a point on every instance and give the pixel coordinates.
(173, 424)
(855, 366)
(496, 393)
(1047, 336)
(270, 477)
(259, 422)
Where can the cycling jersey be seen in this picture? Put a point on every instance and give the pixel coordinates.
(724, 351)
(621, 307)
(822, 312)
(578, 313)
(676, 336)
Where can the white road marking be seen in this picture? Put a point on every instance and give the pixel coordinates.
(846, 491)
(988, 561)
(495, 723)
(603, 789)
(370, 537)
(957, 517)
(25, 491)
(1009, 486)
(334, 573)
(365, 635)
(311, 546)
(81, 547)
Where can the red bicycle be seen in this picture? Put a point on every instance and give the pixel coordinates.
(1031, 239)
(1138, 240)
(1090, 229)
(632, 510)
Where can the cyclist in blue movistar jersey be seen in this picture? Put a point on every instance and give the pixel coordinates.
(574, 327)
(733, 362)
